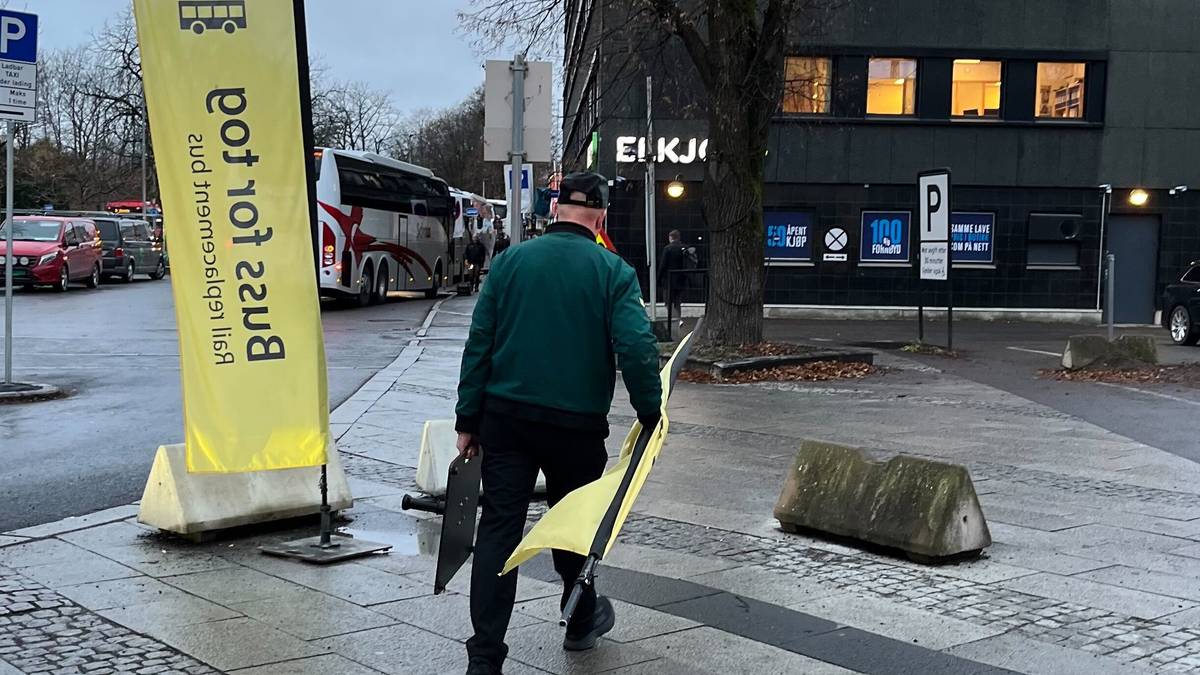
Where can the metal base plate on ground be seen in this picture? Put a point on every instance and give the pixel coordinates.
(310, 550)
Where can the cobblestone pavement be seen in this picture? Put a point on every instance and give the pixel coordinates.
(43, 632)
(1126, 638)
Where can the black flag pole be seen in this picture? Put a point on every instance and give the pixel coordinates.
(587, 576)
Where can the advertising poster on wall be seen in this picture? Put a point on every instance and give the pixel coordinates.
(789, 236)
(884, 237)
(971, 238)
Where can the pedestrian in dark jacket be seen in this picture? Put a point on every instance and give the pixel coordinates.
(502, 243)
(476, 255)
(674, 257)
(557, 316)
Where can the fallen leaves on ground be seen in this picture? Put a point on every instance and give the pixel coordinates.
(729, 352)
(1187, 374)
(928, 349)
(819, 371)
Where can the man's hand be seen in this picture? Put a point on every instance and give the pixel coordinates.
(468, 445)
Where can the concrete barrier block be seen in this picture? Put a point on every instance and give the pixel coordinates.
(926, 508)
(1095, 351)
(194, 503)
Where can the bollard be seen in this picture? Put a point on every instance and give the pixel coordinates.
(1111, 264)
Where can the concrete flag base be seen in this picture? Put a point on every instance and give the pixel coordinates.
(191, 503)
(925, 508)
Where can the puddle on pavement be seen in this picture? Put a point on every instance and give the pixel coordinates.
(423, 541)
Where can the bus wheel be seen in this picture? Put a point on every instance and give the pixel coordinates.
(198, 28)
(432, 293)
(365, 286)
(380, 295)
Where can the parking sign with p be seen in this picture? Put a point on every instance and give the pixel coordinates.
(934, 195)
(18, 65)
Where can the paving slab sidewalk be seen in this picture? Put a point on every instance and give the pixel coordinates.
(1094, 569)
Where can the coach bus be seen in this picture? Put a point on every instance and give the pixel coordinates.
(384, 225)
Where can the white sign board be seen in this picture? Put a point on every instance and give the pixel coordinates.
(935, 261)
(498, 113)
(526, 186)
(18, 66)
(933, 188)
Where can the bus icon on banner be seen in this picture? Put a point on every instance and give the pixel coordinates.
(201, 15)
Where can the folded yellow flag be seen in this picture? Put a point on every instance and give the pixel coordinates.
(573, 523)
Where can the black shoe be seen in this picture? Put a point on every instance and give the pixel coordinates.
(482, 667)
(603, 620)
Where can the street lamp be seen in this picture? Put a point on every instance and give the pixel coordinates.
(1139, 197)
(676, 189)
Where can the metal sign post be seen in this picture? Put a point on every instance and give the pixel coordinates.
(515, 221)
(933, 189)
(651, 194)
(516, 128)
(18, 95)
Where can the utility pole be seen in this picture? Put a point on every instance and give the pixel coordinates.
(145, 136)
(518, 147)
(651, 193)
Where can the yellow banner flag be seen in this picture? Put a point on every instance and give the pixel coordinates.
(574, 523)
(223, 90)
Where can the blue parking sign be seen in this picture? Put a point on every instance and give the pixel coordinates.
(18, 36)
(18, 66)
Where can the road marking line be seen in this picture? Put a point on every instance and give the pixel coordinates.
(821, 340)
(1177, 399)
(1036, 351)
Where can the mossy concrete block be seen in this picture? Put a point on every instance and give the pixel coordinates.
(927, 509)
(1095, 351)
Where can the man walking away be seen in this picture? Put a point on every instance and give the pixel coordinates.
(558, 314)
(674, 257)
(476, 255)
(502, 243)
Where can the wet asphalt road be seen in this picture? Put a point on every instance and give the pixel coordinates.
(116, 350)
(1008, 356)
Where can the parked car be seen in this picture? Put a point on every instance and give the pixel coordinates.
(1181, 307)
(53, 251)
(130, 248)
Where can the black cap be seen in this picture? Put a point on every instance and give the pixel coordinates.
(592, 185)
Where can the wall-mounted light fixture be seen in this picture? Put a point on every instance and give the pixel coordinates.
(676, 188)
(1178, 190)
(1138, 197)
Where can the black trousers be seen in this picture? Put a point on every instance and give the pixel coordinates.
(513, 451)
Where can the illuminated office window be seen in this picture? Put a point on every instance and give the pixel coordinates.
(892, 87)
(1060, 90)
(976, 90)
(806, 84)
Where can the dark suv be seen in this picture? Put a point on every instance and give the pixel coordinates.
(129, 249)
(1181, 307)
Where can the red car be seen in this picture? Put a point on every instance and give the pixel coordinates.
(51, 251)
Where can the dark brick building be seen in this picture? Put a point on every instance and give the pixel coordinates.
(1034, 105)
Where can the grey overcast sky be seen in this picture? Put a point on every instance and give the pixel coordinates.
(408, 47)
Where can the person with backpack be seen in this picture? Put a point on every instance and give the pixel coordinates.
(675, 257)
(476, 255)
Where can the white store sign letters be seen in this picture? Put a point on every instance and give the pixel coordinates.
(675, 150)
